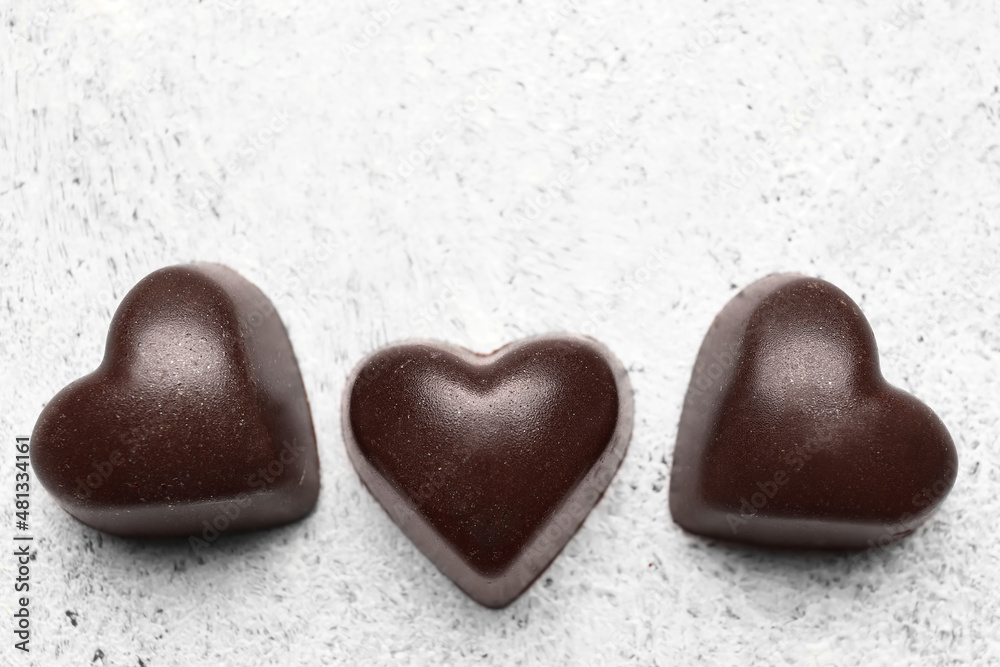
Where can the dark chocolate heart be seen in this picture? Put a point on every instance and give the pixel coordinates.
(791, 437)
(489, 463)
(195, 422)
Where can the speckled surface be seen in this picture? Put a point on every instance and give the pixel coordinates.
(614, 170)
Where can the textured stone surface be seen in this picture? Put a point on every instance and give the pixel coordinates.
(739, 139)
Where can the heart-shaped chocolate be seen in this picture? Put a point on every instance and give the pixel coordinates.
(791, 437)
(195, 422)
(489, 463)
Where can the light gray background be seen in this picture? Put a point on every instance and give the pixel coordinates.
(853, 141)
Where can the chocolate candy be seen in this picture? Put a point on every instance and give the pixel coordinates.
(489, 463)
(195, 422)
(791, 437)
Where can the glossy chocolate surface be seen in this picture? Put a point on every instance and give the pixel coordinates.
(196, 417)
(489, 463)
(791, 437)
